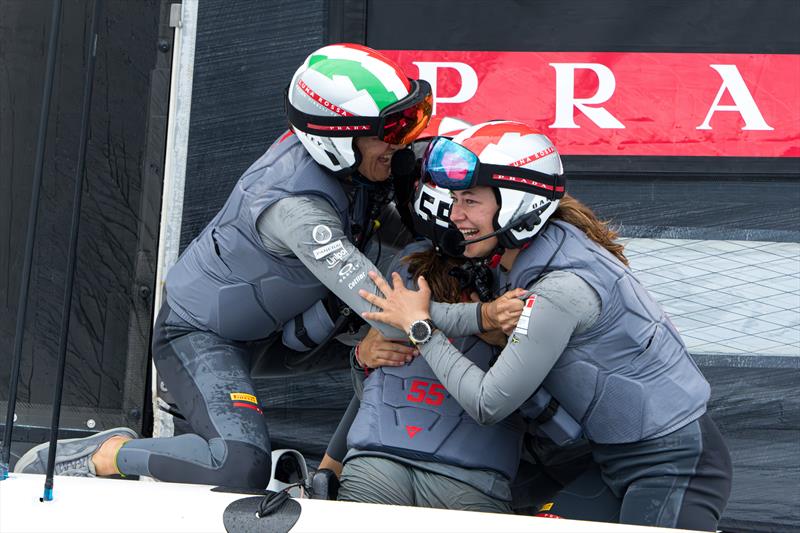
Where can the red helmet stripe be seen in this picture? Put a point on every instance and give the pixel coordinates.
(491, 133)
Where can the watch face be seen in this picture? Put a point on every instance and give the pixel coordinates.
(420, 331)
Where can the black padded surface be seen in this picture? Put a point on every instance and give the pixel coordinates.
(240, 517)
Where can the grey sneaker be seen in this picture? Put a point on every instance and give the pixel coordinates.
(73, 456)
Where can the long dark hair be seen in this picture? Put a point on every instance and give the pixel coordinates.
(436, 270)
(579, 215)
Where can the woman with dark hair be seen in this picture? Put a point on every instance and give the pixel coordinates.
(589, 331)
(441, 458)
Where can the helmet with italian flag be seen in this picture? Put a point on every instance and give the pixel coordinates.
(343, 91)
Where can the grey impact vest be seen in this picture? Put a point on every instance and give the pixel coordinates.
(405, 411)
(628, 377)
(226, 281)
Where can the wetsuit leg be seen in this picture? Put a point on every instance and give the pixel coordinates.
(585, 498)
(209, 379)
(708, 491)
(547, 468)
(376, 480)
(679, 480)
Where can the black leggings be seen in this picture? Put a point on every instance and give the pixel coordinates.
(209, 378)
(680, 480)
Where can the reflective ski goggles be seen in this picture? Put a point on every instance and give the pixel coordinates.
(399, 123)
(452, 166)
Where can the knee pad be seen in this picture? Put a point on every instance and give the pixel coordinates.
(244, 466)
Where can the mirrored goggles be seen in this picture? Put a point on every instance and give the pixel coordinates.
(452, 166)
(399, 123)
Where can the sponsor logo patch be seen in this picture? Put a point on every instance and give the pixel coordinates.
(522, 324)
(243, 397)
(328, 249)
(348, 269)
(335, 258)
(359, 278)
(248, 401)
(321, 234)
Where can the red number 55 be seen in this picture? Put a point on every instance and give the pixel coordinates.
(422, 391)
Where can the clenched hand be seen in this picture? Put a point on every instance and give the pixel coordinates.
(503, 313)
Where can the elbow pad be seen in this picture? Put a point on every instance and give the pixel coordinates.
(551, 419)
(305, 331)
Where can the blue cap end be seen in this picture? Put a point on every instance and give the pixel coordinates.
(48, 495)
(3, 471)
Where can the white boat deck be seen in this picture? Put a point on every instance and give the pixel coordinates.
(100, 505)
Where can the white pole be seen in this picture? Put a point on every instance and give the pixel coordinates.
(183, 17)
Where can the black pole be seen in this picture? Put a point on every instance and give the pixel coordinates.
(73, 247)
(22, 303)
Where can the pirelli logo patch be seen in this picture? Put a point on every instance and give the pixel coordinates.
(522, 323)
(243, 397)
(248, 401)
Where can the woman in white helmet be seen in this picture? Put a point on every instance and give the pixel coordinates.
(589, 332)
(290, 232)
(389, 458)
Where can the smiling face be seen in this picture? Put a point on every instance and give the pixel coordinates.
(473, 212)
(376, 158)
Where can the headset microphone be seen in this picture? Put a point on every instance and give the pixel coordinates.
(403, 163)
(452, 242)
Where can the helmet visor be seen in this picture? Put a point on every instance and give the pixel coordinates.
(399, 123)
(452, 166)
(405, 120)
(449, 165)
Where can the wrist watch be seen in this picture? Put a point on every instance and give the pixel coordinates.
(421, 331)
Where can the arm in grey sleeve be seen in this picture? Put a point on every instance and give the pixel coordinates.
(337, 447)
(531, 352)
(286, 228)
(457, 320)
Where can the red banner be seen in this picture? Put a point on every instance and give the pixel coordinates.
(625, 104)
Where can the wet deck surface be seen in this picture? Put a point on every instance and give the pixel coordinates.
(731, 297)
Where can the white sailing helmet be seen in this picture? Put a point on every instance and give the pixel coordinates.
(521, 164)
(343, 91)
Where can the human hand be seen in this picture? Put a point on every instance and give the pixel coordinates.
(401, 306)
(376, 350)
(503, 312)
(495, 338)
